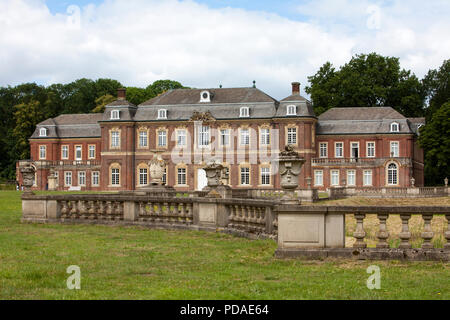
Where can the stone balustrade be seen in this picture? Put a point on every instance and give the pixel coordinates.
(388, 192)
(301, 230)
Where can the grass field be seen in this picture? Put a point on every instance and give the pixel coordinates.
(137, 263)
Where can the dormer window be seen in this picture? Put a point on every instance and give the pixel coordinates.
(205, 96)
(42, 132)
(395, 127)
(162, 114)
(244, 112)
(115, 115)
(291, 110)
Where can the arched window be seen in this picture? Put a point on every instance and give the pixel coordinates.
(392, 174)
(114, 171)
(115, 115)
(291, 110)
(395, 127)
(142, 172)
(42, 132)
(244, 112)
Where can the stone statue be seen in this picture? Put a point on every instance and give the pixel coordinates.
(157, 166)
(213, 173)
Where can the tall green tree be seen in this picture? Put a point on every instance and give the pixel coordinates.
(436, 84)
(367, 80)
(435, 140)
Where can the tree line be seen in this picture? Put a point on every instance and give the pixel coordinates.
(367, 80)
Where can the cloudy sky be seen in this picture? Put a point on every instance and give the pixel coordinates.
(205, 43)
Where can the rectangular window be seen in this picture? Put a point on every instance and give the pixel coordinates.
(265, 176)
(95, 178)
(367, 177)
(164, 178)
(162, 138)
(203, 136)
(354, 146)
(143, 177)
(78, 153)
(115, 176)
(245, 137)
(339, 150)
(64, 152)
(318, 177)
(394, 149)
(245, 176)
(265, 136)
(292, 136)
(351, 177)
(42, 152)
(181, 137)
(225, 137)
(181, 176)
(68, 178)
(370, 149)
(323, 150)
(115, 139)
(334, 177)
(81, 178)
(143, 139)
(92, 152)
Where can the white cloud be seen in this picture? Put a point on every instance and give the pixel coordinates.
(139, 41)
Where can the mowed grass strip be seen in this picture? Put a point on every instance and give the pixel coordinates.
(139, 263)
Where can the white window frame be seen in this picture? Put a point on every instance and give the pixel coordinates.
(333, 176)
(224, 137)
(352, 144)
(394, 152)
(204, 136)
(244, 139)
(95, 178)
(351, 173)
(395, 127)
(181, 137)
(244, 112)
(325, 145)
(318, 175)
(42, 152)
(82, 178)
(115, 114)
(182, 175)
(390, 180)
(292, 136)
(336, 149)
(162, 138)
(265, 176)
(265, 136)
(42, 132)
(91, 151)
(366, 175)
(68, 178)
(244, 176)
(291, 110)
(143, 176)
(368, 155)
(115, 177)
(115, 139)
(162, 114)
(64, 150)
(143, 139)
(78, 148)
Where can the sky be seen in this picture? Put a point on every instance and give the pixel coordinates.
(207, 43)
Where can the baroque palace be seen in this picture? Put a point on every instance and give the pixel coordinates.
(243, 128)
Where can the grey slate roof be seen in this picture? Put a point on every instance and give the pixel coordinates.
(364, 120)
(71, 126)
(219, 96)
(415, 124)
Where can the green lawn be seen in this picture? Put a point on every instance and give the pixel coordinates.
(136, 263)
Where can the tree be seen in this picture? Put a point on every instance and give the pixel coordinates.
(367, 81)
(437, 88)
(138, 95)
(160, 86)
(102, 102)
(435, 140)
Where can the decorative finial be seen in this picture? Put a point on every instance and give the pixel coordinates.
(254, 83)
(220, 86)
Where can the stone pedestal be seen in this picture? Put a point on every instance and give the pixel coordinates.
(290, 165)
(52, 183)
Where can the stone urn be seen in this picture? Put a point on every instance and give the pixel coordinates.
(413, 182)
(290, 165)
(28, 176)
(157, 166)
(446, 182)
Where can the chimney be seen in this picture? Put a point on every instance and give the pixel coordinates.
(296, 88)
(121, 94)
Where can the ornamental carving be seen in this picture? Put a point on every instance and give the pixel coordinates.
(202, 116)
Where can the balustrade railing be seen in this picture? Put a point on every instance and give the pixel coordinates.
(174, 211)
(91, 209)
(247, 217)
